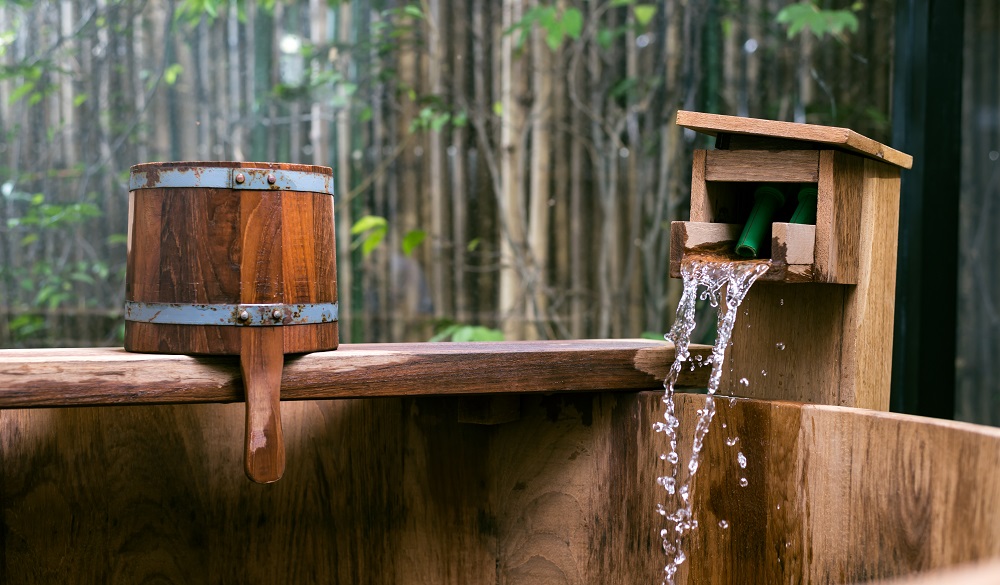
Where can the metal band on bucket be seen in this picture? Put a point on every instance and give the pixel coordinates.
(237, 179)
(256, 315)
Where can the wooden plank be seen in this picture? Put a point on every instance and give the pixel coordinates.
(72, 377)
(912, 493)
(869, 307)
(842, 495)
(751, 166)
(793, 243)
(701, 209)
(397, 491)
(838, 217)
(261, 275)
(381, 492)
(691, 237)
(787, 344)
(261, 358)
(309, 266)
(175, 262)
(844, 138)
(298, 248)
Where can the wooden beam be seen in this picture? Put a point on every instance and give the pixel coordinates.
(108, 376)
(756, 166)
(842, 138)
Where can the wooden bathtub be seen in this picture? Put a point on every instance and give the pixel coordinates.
(510, 463)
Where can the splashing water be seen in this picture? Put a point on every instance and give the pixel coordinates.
(734, 279)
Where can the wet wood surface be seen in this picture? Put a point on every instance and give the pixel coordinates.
(67, 377)
(399, 491)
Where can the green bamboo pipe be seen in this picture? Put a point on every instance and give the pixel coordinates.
(767, 199)
(806, 210)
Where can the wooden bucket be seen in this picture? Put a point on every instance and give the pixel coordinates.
(230, 258)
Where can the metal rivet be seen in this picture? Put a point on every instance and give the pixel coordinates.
(240, 178)
(277, 314)
(244, 315)
(271, 179)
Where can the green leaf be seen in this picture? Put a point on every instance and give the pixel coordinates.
(606, 38)
(473, 244)
(368, 222)
(171, 73)
(374, 228)
(624, 86)
(651, 335)
(644, 13)
(554, 38)
(412, 239)
(29, 239)
(114, 239)
(366, 114)
(413, 10)
(460, 119)
(806, 16)
(372, 241)
(21, 91)
(439, 120)
(476, 333)
(445, 333)
(572, 22)
(615, 3)
(459, 333)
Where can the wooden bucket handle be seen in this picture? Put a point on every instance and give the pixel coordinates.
(261, 361)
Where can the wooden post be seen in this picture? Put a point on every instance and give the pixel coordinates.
(828, 338)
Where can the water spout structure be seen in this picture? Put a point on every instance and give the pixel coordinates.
(818, 327)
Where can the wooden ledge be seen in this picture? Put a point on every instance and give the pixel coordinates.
(112, 376)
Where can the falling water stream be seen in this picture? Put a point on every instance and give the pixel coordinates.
(724, 285)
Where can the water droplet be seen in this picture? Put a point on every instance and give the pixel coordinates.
(744, 382)
(663, 456)
(732, 401)
(672, 458)
(743, 482)
(782, 302)
(780, 346)
(723, 425)
(742, 459)
(763, 373)
(732, 441)
(723, 524)
(779, 506)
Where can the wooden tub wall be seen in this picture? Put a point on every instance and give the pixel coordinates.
(398, 490)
